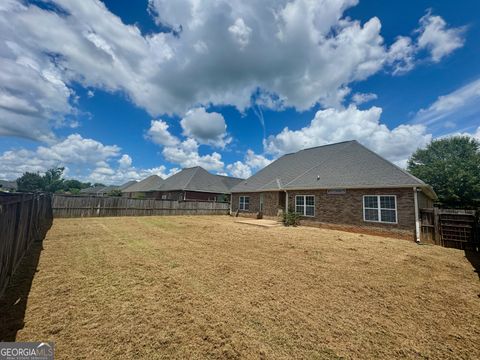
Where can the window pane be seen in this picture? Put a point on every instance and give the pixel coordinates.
(246, 206)
(370, 202)
(299, 210)
(310, 200)
(247, 199)
(371, 215)
(310, 211)
(387, 202)
(388, 216)
(299, 200)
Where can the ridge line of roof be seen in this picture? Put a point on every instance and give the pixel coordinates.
(191, 177)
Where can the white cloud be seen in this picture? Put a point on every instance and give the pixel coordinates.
(186, 152)
(432, 35)
(239, 169)
(84, 159)
(240, 32)
(475, 134)
(335, 125)
(125, 161)
(160, 134)
(455, 106)
(121, 175)
(435, 36)
(205, 127)
(302, 52)
(401, 55)
(186, 155)
(74, 150)
(361, 98)
(256, 161)
(251, 163)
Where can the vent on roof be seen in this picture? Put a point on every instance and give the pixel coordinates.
(318, 177)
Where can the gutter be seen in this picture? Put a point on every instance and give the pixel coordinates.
(286, 201)
(357, 187)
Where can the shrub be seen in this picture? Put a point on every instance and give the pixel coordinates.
(291, 218)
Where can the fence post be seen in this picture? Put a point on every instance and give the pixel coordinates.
(436, 230)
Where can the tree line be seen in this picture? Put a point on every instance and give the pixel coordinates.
(52, 181)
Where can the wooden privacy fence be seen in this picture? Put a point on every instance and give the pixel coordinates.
(68, 206)
(24, 218)
(450, 227)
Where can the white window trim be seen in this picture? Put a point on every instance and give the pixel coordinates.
(305, 205)
(240, 203)
(379, 209)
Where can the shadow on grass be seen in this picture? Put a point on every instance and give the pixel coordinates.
(474, 258)
(14, 301)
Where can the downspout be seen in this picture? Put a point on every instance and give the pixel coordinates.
(286, 201)
(417, 218)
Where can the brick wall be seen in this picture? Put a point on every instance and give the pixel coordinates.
(270, 203)
(341, 211)
(347, 209)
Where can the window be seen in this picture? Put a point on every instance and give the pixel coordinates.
(305, 205)
(244, 202)
(380, 208)
(164, 197)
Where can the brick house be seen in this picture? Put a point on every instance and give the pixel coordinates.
(343, 185)
(193, 183)
(196, 183)
(144, 189)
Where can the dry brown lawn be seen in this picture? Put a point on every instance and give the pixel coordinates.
(205, 287)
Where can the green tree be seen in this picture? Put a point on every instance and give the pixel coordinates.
(53, 180)
(452, 167)
(30, 182)
(115, 192)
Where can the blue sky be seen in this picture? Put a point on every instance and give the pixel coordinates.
(119, 90)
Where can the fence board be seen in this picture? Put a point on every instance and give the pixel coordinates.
(455, 228)
(24, 218)
(68, 206)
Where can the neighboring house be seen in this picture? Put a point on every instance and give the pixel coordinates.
(144, 189)
(343, 185)
(196, 183)
(105, 190)
(8, 186)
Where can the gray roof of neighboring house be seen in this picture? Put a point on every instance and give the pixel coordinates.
(106, 189)
(151, 183)
(198, 179)
(5, 184)
(92, 190)
(342, 165)
(126, 185)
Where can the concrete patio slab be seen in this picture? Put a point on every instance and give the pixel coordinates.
(260, 222)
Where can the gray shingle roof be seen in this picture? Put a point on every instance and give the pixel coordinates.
(93, 190)
(126, 185)
(99, 190)
(199, 179)
(151, 183)
(6, 185)
(341, 165)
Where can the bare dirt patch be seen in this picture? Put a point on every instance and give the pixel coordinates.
(206, 287)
